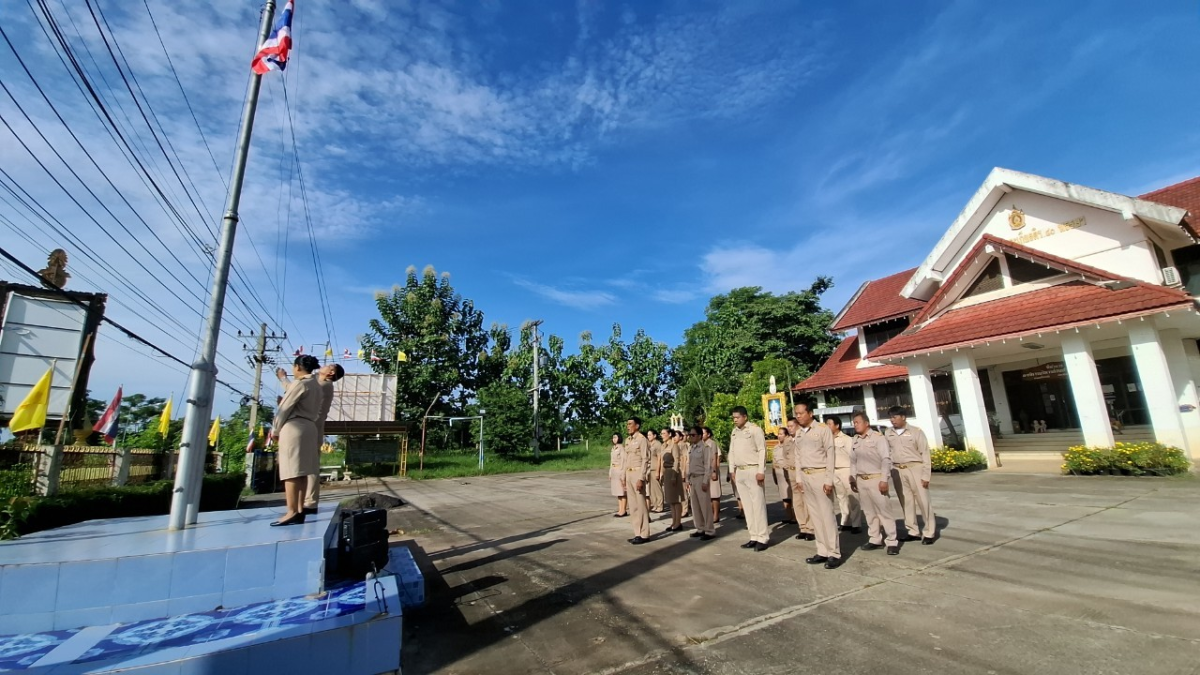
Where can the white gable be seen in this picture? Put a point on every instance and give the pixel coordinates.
(1089, 226)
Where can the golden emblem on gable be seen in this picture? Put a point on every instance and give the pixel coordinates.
(1016, 218)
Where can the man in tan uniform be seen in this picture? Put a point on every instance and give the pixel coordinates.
(748, 464)
(814, 459)
(654, 495)
(702, 471)
(326, 376)
(799, 508)
(781, 470)
(847, 500)
(636, 471)
(911, 470)
(870, 471)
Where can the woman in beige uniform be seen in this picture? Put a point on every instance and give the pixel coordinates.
(615, 487)
(714, 488)
(654, 492)
(667, 473)
(299, 452)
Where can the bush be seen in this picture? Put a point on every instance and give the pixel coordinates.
(1124, 459)
(16, 481)
(221, 492)
(947, 460)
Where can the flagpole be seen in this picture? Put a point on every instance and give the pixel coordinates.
(185, 499)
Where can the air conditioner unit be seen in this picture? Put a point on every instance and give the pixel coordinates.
(1170, 276)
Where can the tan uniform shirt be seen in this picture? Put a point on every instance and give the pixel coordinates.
(871, 453)
(683, 450)
(748, 448)
(302, 399)
(784, 454)
(814, 449)
(909, 446)
(636, 460)
(841, 450)
(656, 450)
(701, 460)
(326, 404)
(663, 449)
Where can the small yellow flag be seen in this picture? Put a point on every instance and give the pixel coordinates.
(31, 414)
(164, 422)
(329, 352)
(214, 433)
(402, 357)
(362, 354)
(262, 435)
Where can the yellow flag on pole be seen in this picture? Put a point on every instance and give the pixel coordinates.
(164, 422)
(214, 433)
(31, 414)
(401, 357)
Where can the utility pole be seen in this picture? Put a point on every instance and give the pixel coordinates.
(189, 479)
(258, 359)
(537, 390)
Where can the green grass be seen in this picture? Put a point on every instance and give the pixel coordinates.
(457, 464)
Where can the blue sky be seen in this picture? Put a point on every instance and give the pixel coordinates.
(589, 163)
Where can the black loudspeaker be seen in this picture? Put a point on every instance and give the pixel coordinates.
(362, 542)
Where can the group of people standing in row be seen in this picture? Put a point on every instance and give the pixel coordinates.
(821, 473)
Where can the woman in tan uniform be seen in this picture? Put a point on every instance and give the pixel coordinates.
(667, 472)
(615, 487)
(299, 441)
(654, 493)
(714, 488)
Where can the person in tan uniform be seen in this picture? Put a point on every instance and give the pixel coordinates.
(814, 458)
(635, 470)
(799, 508)
(911, 470)
(616, 475)
(667, 473)
(846, 499)
(702, 472)
(714, 488)
(326, 376)
(781, 467)
(654, 495)
(683, 447)
(299, 445)
(870, 471)
(748, 464)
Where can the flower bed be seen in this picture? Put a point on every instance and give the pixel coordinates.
(1124, 459)
(947, 460)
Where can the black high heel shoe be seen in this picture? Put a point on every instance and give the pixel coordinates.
(297, 519)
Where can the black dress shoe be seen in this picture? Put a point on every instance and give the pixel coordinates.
(620, 515)
(927, 541)
(833, 563)
(310, 511)
(696, 534)
(297, 519)
(871, 547)
(816, 560)
(760, 547)
(638, 540)
(707, 537)
(749, 544)
(893, 550)
(806, 536)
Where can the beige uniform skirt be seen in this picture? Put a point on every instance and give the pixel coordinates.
(672, 484)
(299, 449)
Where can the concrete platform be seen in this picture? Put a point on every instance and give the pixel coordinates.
(1032, 575)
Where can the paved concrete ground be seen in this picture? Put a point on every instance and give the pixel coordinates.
(1033, 574)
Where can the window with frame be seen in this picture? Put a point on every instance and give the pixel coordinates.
(991, 279)
(1022, 271)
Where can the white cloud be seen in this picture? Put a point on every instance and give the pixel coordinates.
(579, 299)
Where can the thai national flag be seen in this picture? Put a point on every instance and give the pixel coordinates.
(273, 53)
(108, 424)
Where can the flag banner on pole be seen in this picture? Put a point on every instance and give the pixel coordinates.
(347, 355)
(270, 438)
(375, 357)
(273, 53)
(214, 433)
(109, 425)
(402, 357)
(31, 414)
(362, 354)
(329, 352)
(164, 422)
(299, 351)
(250, 444)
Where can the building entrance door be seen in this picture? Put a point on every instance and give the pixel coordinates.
(1041, 394)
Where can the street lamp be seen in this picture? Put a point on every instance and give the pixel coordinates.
(482, 412)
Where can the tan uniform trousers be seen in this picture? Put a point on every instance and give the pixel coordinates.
(881, 524)
(783, 481)
(800, 508)
(754, 503)
(847, 501)
(702, 515)
(312, 495)
(656, 495)
(639, 515)
(820, 509)
(913, 497)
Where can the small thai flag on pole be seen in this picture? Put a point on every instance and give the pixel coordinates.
(273, 53)
(108, 424)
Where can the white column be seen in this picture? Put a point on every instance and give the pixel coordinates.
(976, 431)
(1188, 394)
(1155, 377)
(924, 405)
(862, 344)
(1085, 389)
(820, 399)
(869, 403)
(1000, 396)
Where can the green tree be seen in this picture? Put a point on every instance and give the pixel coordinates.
(582, 373)
(638, 377)
(508, 424)
(442, 337)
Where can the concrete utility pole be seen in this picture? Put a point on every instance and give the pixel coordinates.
(185, 497)
(537, 389)
(258, 359)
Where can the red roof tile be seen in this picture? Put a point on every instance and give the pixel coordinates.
(1065, 305)
(877, 301)
(841, 370)
(1185, 195)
